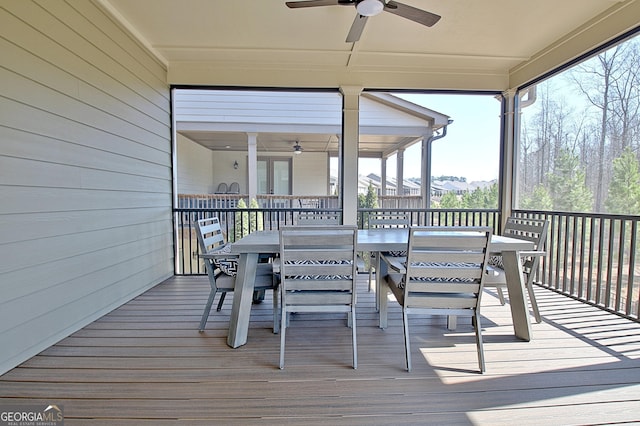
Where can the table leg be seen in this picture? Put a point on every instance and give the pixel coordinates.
(517, 296)
(381, 291)
(242, 298)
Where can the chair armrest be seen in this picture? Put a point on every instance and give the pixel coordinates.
(219, 256)
(533, 253)
(394, 263)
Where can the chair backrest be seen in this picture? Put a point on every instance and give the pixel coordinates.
(446, 267)
(222, 188)
(318, 218)
(388, 220)
(318, 265)
(534, 230)
(210, 236)
(234, 188)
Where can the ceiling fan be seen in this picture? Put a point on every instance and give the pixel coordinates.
(367, 8)
(297, 149)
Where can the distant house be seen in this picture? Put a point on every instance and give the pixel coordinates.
(441, 187)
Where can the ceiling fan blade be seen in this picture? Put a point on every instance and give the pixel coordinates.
(416, 15)
(356, 28)
(312, 3)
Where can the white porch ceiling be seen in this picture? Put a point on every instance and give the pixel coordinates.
(478, 44)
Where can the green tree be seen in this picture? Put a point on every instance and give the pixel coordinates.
(481, 198)
(624, 192)
(368, 201)
(450, 201)
(247, 222)
(567, 185)
(538, 200)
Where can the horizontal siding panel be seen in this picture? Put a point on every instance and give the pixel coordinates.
(56, 273)
(85, 161)
(47, 99)
(20, 172)
(48, 38)
(15, 115)
(76, 244)
(34, 226)
(38, 69)
(19, 200)
(258, 107)
(147, 72)
(104, 267)
(30, 146)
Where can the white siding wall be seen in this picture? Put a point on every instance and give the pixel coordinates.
(85, 172)
(195, 167)
(310, 173)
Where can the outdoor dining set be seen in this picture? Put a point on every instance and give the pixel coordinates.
(313, 266)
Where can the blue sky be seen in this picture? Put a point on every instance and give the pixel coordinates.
(471, 148)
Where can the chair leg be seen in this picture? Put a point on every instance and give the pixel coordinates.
(378, 275)
(207, 310)
(353, 337)
(407, 346)
(276, 322)
(501, 295)
(478, 328)
(370, 269)
(532, 299)
(221, 301)
(452, 322)
(283, 327)
(382, 291)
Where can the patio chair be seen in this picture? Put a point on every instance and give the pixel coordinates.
(318, 274)
(534, 230)
(444, 273)
(386, 220)
(221, 266)
(318, 218)
(234, 188)
(222, 188)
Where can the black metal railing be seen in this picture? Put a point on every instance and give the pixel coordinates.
(590, 257)
(238, 222)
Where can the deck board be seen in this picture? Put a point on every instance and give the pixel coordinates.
(145, 363)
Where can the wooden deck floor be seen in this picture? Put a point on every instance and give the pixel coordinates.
(146, 364)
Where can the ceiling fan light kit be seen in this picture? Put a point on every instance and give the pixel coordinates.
(370, 7)
(367, 8)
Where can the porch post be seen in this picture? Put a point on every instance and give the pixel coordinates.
(400, 172)
(252, 176)
(349, 164)
(425, 178)
(383, 176)
(507, 164)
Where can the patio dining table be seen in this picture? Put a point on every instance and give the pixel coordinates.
(375, 241)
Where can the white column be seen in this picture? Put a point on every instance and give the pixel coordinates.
(349, 148)
(383, 176)
(252, 172)
(425, 168)
(400, 172)
(507, 163)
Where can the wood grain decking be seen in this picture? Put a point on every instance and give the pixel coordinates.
(146, 364)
